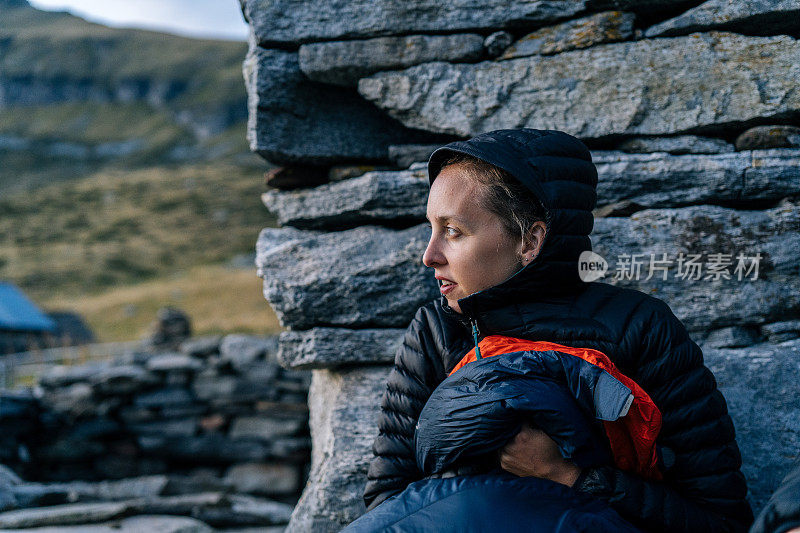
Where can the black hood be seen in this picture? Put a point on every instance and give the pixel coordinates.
(558, 169)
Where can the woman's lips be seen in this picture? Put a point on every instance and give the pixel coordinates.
(446, 286)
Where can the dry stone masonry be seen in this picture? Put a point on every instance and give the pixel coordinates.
(691, 110)
(211, 435)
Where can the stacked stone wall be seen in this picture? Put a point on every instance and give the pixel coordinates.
(216, 430)
(691, 110)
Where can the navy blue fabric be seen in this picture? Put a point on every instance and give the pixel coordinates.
(479, 408)
(496, 502)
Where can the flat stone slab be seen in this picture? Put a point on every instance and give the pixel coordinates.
(134, 524)
(201, 346)
(332, 347)
(664, 180)
(760, 385)
(642, 7)
(79, 491)
(121, 380)
(264, 478)
(678, 145)
(762, 137)
(406, 155)
(211, 507)
(363, 277)
(243, 350)
(62, 515)
(164, 397)
(63, 375)
(375, 197)
(264, 427)
(782, 331)
(634, 88)
(731, 337)
(176, 427)
(606, 27)
(173, 362)
(700, 295)
(753, 17)
(345, 62)
(344, 408)
(293, 120)
(300, 21)
(259, 510)
(212, 448)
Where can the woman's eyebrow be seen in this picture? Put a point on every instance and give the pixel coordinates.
(443, 219)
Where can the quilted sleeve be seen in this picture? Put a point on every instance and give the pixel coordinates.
(410, 383)
(703, 488)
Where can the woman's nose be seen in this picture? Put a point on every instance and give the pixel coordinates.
(432, 256)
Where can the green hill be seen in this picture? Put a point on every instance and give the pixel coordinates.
(123, 162)
(76, 97)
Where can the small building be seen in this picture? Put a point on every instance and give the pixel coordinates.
(23, 326)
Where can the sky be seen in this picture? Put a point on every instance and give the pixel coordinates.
(214, 19)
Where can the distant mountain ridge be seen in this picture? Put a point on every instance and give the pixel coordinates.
(74, 92)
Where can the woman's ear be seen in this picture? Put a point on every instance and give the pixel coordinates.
(534, 239)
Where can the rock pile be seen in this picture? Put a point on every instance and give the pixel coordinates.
(690, 108)
(216, 431)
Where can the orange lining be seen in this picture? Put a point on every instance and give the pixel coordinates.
(633, 437)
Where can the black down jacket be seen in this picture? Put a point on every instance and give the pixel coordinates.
(703, 488)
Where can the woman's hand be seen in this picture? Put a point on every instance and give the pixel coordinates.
(532, 453)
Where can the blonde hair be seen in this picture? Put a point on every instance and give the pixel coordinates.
(503, 194)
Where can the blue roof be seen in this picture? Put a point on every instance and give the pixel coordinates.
(18, 313)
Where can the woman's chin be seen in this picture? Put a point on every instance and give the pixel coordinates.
(453, 304)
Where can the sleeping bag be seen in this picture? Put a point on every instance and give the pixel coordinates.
(594, 414)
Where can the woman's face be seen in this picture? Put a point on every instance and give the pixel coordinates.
(470, 249)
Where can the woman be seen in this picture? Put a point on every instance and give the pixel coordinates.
(510, 214)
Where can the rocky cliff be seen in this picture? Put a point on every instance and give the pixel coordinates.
(77, 96)
(691, 110)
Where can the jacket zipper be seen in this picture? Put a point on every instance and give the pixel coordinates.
(475, 333)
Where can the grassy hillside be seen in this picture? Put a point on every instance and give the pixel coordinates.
(119, 227)
(126, 183)
(219, 299)
(78, 97)
(60, 47)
